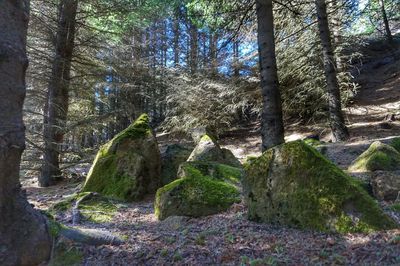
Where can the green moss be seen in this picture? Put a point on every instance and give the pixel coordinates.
(312, 142)
(222, 172)
(108, 176)
(309, 192)
(54, 228)
(379, 156)
(194, 196)
(395, 143)
(229, 173)
(207, 138)
(65, 255)
(95, 209)
(137, 129)
(395, 207)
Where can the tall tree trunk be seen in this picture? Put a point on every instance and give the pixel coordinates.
(214, 53)
(338, 127)
(176, 31)
(24, 238)
(58, 91)
(272, 130)
(194, 47)
(336, 23)
(236, 70)
(386, 21)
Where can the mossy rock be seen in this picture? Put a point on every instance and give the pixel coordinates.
(174, 156)
(96, 208)
(293, 184)
(378, 156)
(395, 143)
(312, 142)
(219, 171)
(65, 253)
(195, 197)
(208, 150)
(198, 132)
(386, 185)
(129, 166)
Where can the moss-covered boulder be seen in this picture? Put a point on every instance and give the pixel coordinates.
(378, 156)
(129, 166)
(386, 185)
(92, 207)
(195, 197)
(293, 184)
(395, 143)
(208, 150)
(173, 156)
(219, 171)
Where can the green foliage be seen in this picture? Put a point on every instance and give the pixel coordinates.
(204, 102)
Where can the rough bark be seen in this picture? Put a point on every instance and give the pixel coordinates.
(272, 130)
(337, 35)
(337, 124)
(236, 70)
(24, 239)
(386, 21)
(194, 47)
(56, 108)
(176, 41)
(214, 53)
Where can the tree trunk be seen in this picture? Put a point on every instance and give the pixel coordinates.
(386, 21)
(177, 51)
(272, 130)
(24, 238)
(56, 109)
(236, 70)
(194, 46)
(338, 127)
(336, 23)
(214, 53)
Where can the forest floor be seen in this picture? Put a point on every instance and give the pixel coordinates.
(229, 238)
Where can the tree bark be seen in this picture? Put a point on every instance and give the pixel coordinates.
(214, 53)
(337, 124)
(236, 70)
(194, 47)
(176, 31)
(389, 35)
(336, 23)
(24, 238)
(272, 130)
(57, 101)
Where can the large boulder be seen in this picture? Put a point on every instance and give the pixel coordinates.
(129, 166)
(195, 197)
(378, 156)
(386, 185)
(208, 150)
(173, 156)
(293, 184)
